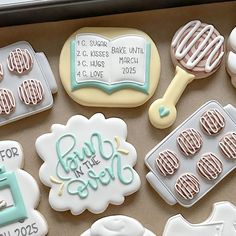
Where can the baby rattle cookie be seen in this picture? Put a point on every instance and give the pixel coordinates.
(231, 57)
(19, 195)
(109, 67)
(220, 223)
(117, 225)
(197, 50)
(87, 164)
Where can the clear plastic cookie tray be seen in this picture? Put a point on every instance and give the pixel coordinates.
(19, 63)
(165, 185)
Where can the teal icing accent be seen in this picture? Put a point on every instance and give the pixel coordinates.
(73, 157)
(110, 88)
(104, 178)
(17, 212)
(164, 111)
(72, 65)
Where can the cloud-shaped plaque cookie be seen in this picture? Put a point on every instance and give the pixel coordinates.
(19, 195)
(118, 225)
(87, 164)
(231, 59)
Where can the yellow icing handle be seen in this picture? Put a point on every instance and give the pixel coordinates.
(162, 112)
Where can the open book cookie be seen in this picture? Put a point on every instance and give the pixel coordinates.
(110, 67)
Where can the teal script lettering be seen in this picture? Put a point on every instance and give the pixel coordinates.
(71, 158)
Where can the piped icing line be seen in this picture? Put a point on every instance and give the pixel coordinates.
(19, 60)
(228, 145)
(1, 72)
(7, 101)
(212, 121)
(56, 181)
(187, 186)
(204, 48)
(31, 92)
(210, 166)
(167, 162)
(120, 150)
(190, 141)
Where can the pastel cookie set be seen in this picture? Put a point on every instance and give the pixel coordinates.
(196, 156)
(87, 163)
(26, 82)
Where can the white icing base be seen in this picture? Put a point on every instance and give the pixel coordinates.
(82, 128)
(30, 194)
(117, 226)
(222, 222)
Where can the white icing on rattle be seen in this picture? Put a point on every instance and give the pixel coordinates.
(209, 166)
(187, 186)
(7, 101)
(231, 59)
(189, 141)
(212, 122)
(228, 145)
(19, 61)
(199, 43)
(167, 162)
(117, 225)
(31, 92)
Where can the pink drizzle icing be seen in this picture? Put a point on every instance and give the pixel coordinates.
(167, 162)
(19, 60)
(189, 141)
(212, 121)
(7, 102)
(1, 72)
(210, 166)
(198, 46)
(228, 145)
(31, 92)
(187, 186)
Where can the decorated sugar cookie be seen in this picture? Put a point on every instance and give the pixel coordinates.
(26, 82)
(87, 164)
(195, 156)
(109, 67)
(19, 195)
(231, 58)
(117, 225)
(197, 51)
(220, 223)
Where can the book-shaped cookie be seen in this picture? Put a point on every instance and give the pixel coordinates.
(110, 67)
